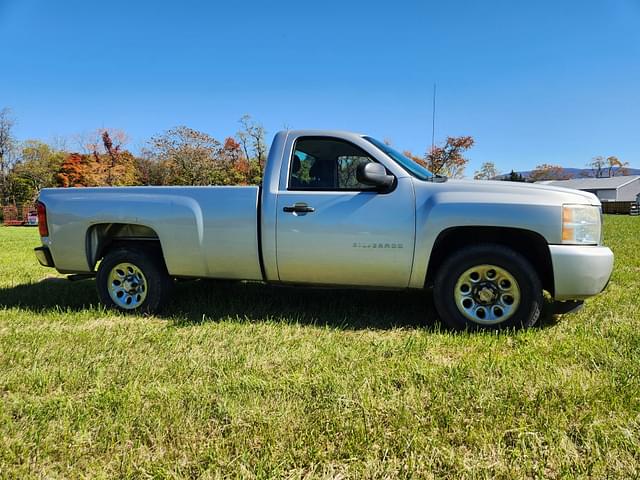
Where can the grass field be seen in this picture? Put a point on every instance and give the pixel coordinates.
(252, 381)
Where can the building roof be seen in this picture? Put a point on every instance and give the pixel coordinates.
(607, 183)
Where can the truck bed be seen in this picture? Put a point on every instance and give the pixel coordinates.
(204, 231)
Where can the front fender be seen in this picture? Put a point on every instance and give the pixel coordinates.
(440, 211)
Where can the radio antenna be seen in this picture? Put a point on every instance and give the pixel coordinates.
(433, 119)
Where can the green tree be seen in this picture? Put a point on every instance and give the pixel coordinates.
(188, 155)
(251, 138)
(35, 169)
(514, 177)
(150, 171)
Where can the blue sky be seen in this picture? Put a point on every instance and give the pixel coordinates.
(532, 82)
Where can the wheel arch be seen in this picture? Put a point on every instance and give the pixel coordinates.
(529, 244)
(103, 237)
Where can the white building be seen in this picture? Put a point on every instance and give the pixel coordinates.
(610, 189)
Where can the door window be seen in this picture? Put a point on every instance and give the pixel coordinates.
(321, 163)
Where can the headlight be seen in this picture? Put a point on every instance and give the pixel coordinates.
(581, 224)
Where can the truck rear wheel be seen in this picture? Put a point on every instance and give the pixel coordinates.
(487, 286)
(133, 280)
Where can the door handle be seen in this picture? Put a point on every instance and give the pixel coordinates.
(299, 208)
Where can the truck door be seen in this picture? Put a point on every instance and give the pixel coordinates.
(332, 230)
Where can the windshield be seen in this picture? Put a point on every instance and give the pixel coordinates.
(409, 165)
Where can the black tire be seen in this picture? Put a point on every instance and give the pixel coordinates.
(524, 314)
(157, 285)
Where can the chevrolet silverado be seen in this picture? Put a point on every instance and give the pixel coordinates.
(338, 209)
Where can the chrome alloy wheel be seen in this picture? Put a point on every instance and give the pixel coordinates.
(127, 286)
(487, 294)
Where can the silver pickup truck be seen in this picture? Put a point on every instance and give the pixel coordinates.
(338, 209)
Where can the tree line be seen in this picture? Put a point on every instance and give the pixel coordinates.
(184, 156)
(598, 167)
(178, 156)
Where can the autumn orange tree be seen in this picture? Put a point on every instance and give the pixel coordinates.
(410, 154)
(185, 156)
(448, 160)
(236, 167)
(548, 171)
(607, 167)
(107, 164)
(112, 165)
(75, 171)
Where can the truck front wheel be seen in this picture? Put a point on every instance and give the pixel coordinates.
(133, 280)
(487, 286)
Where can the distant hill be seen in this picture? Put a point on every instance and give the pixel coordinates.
(573, 172)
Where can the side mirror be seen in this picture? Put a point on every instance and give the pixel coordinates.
(375, 175)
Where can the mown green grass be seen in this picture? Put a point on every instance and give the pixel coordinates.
(252, 381)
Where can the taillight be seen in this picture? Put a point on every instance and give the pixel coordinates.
(42, 219)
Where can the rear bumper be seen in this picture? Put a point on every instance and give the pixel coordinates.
(580, 271)
(44, 256)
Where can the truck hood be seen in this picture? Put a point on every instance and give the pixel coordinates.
(533, 193)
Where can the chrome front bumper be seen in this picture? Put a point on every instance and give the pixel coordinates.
(580, 271)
